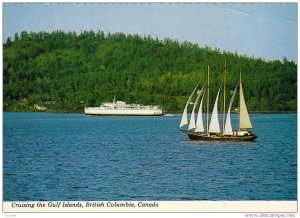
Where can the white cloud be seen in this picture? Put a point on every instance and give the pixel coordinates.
(235, 11)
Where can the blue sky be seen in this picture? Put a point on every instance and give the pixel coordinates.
(266, 30)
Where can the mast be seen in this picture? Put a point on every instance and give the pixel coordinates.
(207, 106)
(224, 100)
(240, 82)
(240, 96)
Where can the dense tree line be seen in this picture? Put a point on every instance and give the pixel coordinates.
(67, 71)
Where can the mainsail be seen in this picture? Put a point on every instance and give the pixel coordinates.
(184, 118)
(228, 127)
(214, 126)
(244, 122)
(192, 124)
(199, 124)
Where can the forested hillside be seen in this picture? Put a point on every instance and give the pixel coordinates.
(67, 71)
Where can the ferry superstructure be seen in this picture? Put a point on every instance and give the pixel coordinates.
(120, 108)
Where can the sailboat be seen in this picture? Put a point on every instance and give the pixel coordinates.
(196, 130)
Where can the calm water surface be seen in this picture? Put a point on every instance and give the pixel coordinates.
(68, 157)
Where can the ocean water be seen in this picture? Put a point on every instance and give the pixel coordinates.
(68, 157)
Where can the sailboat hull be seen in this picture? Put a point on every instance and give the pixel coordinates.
(204, 137)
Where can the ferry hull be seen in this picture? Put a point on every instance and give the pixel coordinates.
(204, 137)
(123, 112)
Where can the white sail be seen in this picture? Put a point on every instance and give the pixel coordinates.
(184, 118)
(192, 124)
(214, 126)
(244, 122)
(228, 127)
(199, 124)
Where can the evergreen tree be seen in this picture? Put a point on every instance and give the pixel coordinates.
(67, 71)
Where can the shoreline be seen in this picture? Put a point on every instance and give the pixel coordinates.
(171, 112)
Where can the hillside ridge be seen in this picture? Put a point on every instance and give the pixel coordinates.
(65, 71)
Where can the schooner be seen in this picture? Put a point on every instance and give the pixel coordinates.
(196, 130)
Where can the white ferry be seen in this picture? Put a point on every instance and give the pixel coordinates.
(120, 108)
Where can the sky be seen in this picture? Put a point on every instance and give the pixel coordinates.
(265, 30)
